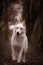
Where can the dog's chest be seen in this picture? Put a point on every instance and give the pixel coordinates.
(18, 42)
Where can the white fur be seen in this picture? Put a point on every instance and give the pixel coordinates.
(19, 41)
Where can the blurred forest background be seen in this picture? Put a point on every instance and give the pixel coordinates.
(32, 13)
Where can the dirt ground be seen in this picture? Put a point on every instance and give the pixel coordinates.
(32, 59)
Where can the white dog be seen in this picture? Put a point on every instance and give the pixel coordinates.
(19, 42)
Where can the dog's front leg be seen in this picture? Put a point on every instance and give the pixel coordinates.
(13, 54)
(20, 56)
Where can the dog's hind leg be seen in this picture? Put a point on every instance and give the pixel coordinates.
(23, 58)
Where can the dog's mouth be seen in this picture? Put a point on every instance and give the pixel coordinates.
(18, 34)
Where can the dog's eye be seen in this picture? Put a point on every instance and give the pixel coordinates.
(20, 28)
(16, 27)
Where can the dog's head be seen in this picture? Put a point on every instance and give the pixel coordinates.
(18, 29)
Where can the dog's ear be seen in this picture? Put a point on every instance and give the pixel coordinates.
(11, 27)
(23, 22)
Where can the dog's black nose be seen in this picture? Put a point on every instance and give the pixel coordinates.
(17, 33)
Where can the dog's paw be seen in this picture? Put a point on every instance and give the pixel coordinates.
(23, 60)
(18, 61)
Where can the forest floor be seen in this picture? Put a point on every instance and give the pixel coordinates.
(31, 60)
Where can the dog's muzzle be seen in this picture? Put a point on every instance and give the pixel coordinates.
(18, 33)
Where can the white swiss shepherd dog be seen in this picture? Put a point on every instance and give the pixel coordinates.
(19, 42)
